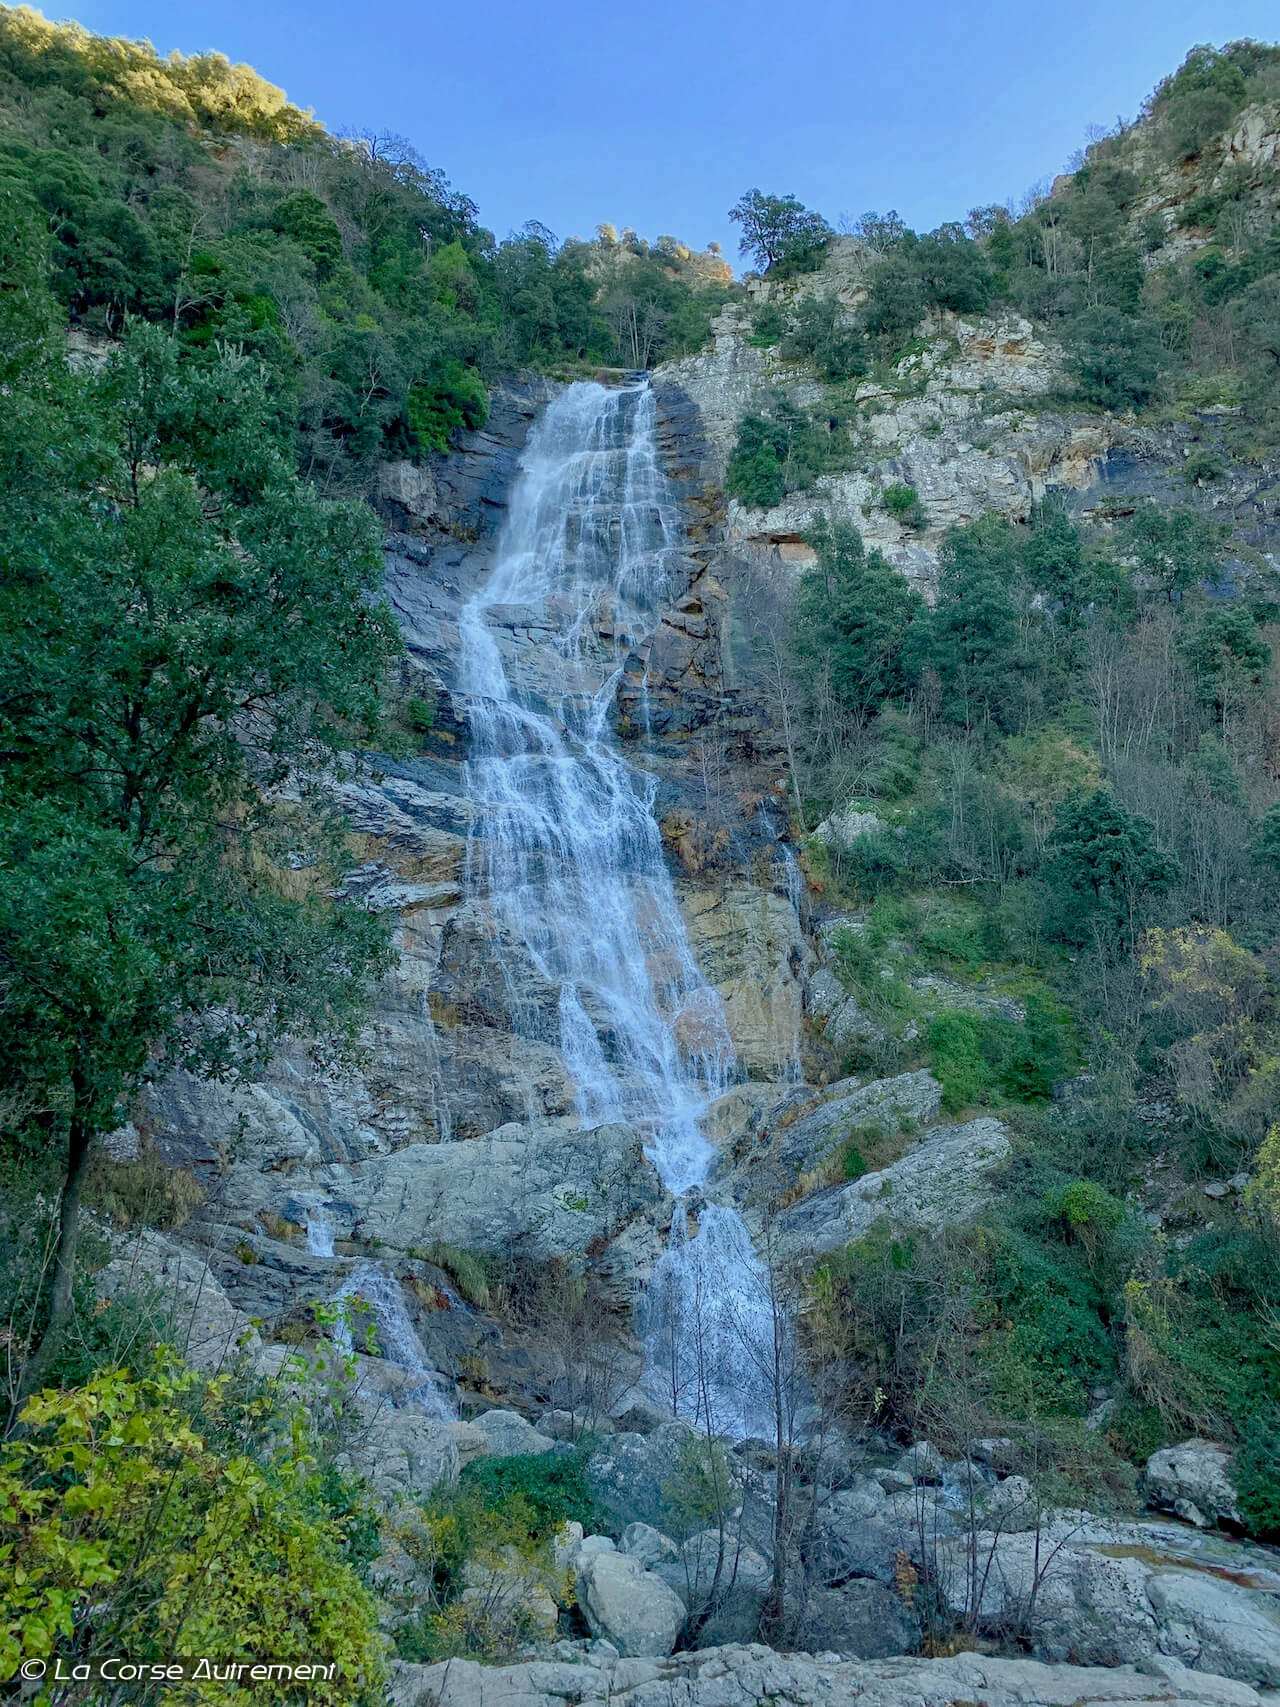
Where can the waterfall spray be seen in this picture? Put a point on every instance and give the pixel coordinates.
(566, 850)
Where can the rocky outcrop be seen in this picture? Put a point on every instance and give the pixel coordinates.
(939, 1183)
(542, 1188)
(189, 1305)
(757, 1677)
(1082, 1589)
(1193, 1480)
(751, 948)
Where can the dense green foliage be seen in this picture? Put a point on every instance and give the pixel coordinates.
(1071, 758)
(780, 233)
(783, 451)
(188, 192)
(160, 1517)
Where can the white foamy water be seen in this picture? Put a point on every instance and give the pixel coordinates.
(567, 851)
(394, 1337)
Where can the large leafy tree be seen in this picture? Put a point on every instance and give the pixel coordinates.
(851, 615)
(1104, 871)
(183, 626)
(780, 232)
(1174, 550)
(974, 639)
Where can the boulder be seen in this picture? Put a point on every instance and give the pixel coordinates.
(626, 1604)
(938, 1183)
(855, 1535)
(851, 824)
(859, 1620)
(508, 1435)
(1118, 1593)
(1193, 1480)
(922, 1462)
(725, 1591)
(403, 1452)
(628, 1472)
(642, 1541)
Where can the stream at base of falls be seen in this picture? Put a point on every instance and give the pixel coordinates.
(566, 852)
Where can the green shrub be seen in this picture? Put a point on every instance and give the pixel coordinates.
(552, 1486)
(957, 1060)
(903, 502)
(1257, 1476)
(420, 714)
(768, 325)
(136, 1517)
(456, 396)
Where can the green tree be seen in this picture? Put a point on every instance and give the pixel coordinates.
(181, 623)
(1114, 356)
(1173, 550)
(137, 1518)
(851, 615)
(779, 232)
(973, 638)
(1104, 870)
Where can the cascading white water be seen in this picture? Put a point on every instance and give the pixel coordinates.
(394, 1336)
(320, 1233)
(566, 848)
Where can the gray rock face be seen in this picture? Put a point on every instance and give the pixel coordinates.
(627, 1605)
(628, 1472)
(195, 1312)
(403, 1453)
(1122, 1593)
(545, 1189)
(751, 948)
(799, 1146)
(939, 1183)
(756, 1676)
(507, 1434)
(849, 825)
(643, 1542)
(860, 1620)
(1193, 1480)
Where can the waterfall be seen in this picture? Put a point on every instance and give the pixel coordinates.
(319, 1232)
(395, 1337)
(566, 850)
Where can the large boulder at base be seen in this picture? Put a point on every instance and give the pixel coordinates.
(629, 1471)
(508, 1435)
(756, 1675)
(725, 1588)
(626, 1604)
(859, 1620)
(1193, 1480)
(1085, 1589)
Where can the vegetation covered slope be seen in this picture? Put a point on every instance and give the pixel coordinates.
(1073, 757)
(189, 192)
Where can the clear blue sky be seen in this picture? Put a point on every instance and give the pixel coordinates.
(658, 115)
